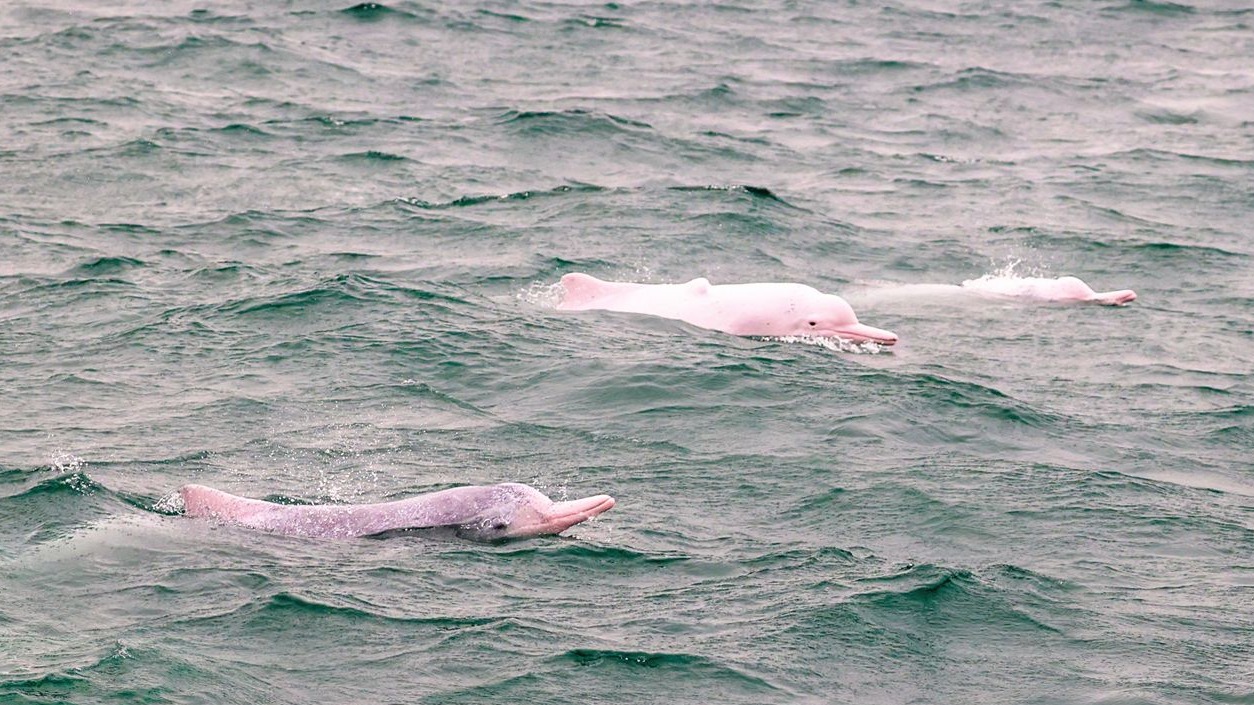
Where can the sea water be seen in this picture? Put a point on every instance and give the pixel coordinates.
(306, 250)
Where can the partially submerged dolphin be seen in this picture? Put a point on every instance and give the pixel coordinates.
(762, 309)
(996, 286)
(484, 513)
(1048, 289)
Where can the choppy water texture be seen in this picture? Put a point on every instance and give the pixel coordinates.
(305, 250)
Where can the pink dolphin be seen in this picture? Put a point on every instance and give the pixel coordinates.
(485, 513)
(1046, 289)
(763, 309)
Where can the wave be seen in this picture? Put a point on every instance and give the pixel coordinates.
(826, 556)
(1152, 7)
(917, 583)
(373, 156)
(912, 610)
(1176, 249)
(636, 676)
(111, 671)
(82, 285)
(284, 607)
(985, 400)
(69, 120)
(574, 120)
(749, 192)
(70, 484)
(756, 192)
(106, 265)
(1164, 116)
(282, 604)
(467, 201)
(335, 292)
(593, 555)
(374, 12)
(339, 122)
(978, 78)
(60, 685)
(297, 301)
(692, 663)
(1125, 249)
(54, 507)
(51, 509)
(251, 223)
(1013, 600)
(130, 228)
(240, 129)
(1141, 154)
(195, 47)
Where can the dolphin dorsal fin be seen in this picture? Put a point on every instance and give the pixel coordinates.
(581, 288)
(699, 286)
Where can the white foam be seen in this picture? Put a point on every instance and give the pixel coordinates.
(834, 344)
(63, 462)
(541, 294)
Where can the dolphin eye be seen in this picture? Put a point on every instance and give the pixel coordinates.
(500, 526)
(813, 323)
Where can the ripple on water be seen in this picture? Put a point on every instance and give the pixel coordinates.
(629, 674)
(309, 253)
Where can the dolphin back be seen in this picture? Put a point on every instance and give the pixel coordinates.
(452, 507)
(201, 501)
(581, 292)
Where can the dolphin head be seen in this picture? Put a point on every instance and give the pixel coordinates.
(1074, 288)
(512, 510)
(829, 316)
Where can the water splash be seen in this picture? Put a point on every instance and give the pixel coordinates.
(169, 504)
(541, 294)
(1011, 278)
(79, 482)
(342, 484)
(66, 462)
(834, 344)
(1014, 268)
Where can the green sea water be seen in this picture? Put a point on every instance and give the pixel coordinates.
(308, 250)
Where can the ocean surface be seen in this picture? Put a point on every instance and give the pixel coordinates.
(308, 250)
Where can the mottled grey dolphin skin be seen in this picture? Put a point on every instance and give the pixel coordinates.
(484, 513)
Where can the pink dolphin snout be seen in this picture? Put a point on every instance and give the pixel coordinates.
(861, 333)
(560, 516)
(1115, 298)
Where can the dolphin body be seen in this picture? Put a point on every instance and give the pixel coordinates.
(1061, 289)
(764, 309)
(479, 512)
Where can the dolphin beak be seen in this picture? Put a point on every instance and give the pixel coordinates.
(859, 333)
(1115, 298)
(563, 515)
